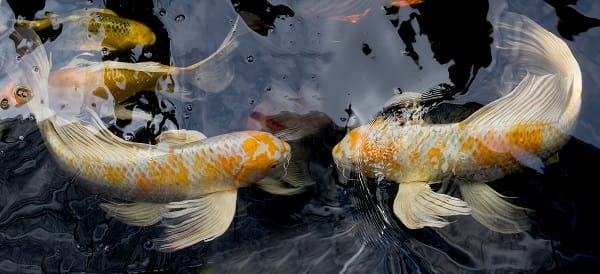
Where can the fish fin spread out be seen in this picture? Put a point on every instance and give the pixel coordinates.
(296, 126)
(418, 206)
(215, 73)
(550, 92)
(135, 214)
(192, 221)
(411, 99)
(296, 174)
(278, 187)
(95, 140)
(492, 211)
(179, 136)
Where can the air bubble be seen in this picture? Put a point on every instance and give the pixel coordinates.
(179, 18)
(128, 136)
(36, 68)
(19, 58)
(105, 51)
(251, 100)
(162, 12)
(188, 107)
(186, 116)
(148, 54)
(250, 59)
(21, 137)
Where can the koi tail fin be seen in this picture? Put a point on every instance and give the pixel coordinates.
(215, 72)
(30, 70)
(417, 206)
(549, 93)
(492, 211)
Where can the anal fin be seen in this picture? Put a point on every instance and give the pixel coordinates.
(136, 214)
(418, 206)
(192, 221)
(492, 211)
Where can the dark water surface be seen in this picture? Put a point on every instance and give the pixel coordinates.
(297, 58)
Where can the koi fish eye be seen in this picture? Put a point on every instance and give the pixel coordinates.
(4, 104)
(22, 95)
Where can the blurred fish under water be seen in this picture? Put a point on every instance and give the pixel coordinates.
(49, 224)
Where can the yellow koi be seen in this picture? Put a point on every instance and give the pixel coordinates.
(187, 181)
(117, 33)
(519, 130)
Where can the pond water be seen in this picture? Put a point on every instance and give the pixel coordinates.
(303, 56)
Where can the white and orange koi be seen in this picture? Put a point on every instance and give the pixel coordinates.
(517, 131)
(187, 181)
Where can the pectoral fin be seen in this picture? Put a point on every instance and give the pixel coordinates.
(418, 206)
(136, 214)
(278, 187)
(192, 221)
(492, 211)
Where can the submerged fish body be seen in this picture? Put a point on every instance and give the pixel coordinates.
(186, 181)
(92, 84)
(519, 130)
(117, 33)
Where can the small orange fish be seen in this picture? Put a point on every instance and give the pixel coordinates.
(354, 18)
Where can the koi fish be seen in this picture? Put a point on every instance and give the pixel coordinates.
(117, 33)
(350, 11)
(515, 132)
(187, 181)
(95, 83)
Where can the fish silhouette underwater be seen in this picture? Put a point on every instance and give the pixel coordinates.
(515, 132)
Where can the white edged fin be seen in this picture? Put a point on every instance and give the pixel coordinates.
(277, 187)
(417, 206)
(296, 174)
(297, 126)
(537, 98)
(492, 211)
(404, 99)
(136, 214)
(551, 90)
(192, 221)
(215, 72)
(180, 136)
(95, 140)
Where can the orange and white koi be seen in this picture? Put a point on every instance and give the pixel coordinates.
(516, 131)
(187, 181)
(92, 84)
(117, 33)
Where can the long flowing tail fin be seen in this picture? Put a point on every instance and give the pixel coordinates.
(551, 90)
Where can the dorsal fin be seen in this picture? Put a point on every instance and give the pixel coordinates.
(179, 137)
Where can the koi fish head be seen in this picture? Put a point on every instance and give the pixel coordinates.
(266, 155)
(13, 95)
(347, 154)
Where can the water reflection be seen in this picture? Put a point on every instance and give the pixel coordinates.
(340, 72)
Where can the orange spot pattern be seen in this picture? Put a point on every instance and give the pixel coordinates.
(528, 137)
